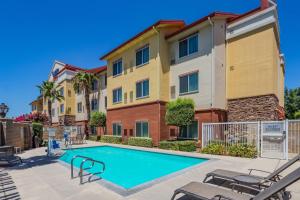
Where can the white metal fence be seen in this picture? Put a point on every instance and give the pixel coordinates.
(229, 133)
(272, 139)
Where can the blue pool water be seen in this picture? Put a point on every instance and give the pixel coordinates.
(129, 168)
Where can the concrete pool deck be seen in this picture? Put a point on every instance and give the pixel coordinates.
(44, 178)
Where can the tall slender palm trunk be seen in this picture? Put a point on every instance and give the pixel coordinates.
(50, 112)
(88, 109)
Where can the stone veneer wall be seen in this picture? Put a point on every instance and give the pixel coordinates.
(257, 108)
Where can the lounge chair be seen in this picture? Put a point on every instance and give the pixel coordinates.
(228, 175)
(202, 191)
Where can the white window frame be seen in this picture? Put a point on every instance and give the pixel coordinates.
(119, 74)
(79, 110)
(141, 49)
(141, 81)
(62, 106)
(121, 95)
(188, 74)
(187, 38)
(142, 121)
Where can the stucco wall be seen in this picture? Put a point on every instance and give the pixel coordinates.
(211, 69)
(132, 74)
(253, 65)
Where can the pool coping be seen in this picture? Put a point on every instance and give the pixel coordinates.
(127, 192)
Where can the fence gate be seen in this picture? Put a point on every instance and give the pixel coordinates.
(274, 143)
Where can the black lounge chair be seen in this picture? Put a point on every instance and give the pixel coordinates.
(202, 191)
(228, 175)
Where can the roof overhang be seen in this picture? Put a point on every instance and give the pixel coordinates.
(148, 32)
(252, 21)
(190, 27)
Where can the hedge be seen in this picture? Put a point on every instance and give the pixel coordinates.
(111, 139)
(188, 145)
(237, 150)
(139, 141)
(93, 138)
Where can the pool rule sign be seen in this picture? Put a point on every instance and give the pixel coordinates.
(51, 136)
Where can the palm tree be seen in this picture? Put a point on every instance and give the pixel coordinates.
(83, 81)
(50, 93)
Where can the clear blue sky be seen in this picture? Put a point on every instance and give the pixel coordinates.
(35, 33)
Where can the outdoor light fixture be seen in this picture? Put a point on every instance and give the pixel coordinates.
(3, 110)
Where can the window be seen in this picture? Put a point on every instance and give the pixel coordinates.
(141, 129)
(189, 132)
(62, 108)
(79, 107)
(79, 91)
(53, 112)
(142, 89)
(188, 46)
(117, 129)
(117, 67)
(105, 102)
(94, 104)
(94, 130)
(33, 107)
(94, 85)
(105, 80)
(117, 95)
(188, 83)
(61, 91)
(69, 93)
(142, 56)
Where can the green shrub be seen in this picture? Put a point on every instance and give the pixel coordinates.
(111, 139)
(169, 145)
(94, 138)
(214, 148)
(37, 129)
(242, 150)
(188, 146)
(237, 150)
(142, 142)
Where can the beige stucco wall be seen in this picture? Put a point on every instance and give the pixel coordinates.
(209, 61)
(100, 94)
(253, 66)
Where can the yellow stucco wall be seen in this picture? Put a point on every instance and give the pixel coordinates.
(68, 101)
(157, 71)
(69, 98)
(254, 65)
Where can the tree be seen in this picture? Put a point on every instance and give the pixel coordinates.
(292, 103)
(83, 81)
(50, 93)
(180, 112)
(98, 119)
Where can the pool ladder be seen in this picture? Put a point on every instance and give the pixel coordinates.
(81, 169)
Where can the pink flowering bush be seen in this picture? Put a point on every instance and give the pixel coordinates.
(32, 117)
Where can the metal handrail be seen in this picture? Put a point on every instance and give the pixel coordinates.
(80, 174)
(72, 164)
(92, 174)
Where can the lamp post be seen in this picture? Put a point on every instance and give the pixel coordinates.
(3, 110)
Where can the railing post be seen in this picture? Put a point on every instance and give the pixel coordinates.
(202, 136)
(286, 139)
(258, 139)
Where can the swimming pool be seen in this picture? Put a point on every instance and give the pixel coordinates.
(129, 168)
